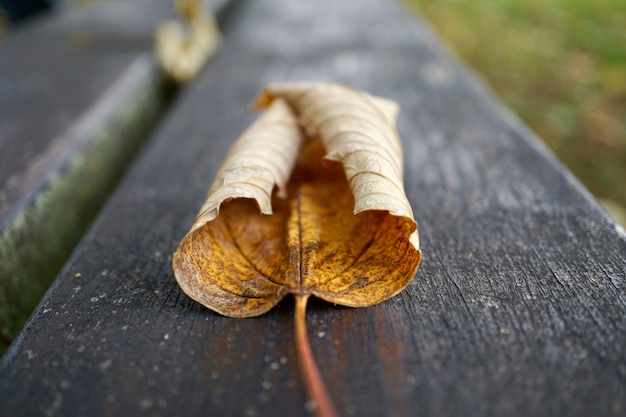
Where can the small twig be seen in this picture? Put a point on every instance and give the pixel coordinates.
(318, 393)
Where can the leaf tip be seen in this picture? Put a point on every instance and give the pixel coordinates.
(262, 101)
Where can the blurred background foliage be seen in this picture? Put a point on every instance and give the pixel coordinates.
(561, 66)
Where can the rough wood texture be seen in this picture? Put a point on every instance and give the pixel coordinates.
(55, 69)
(79, 93)
(518, 309)
(76, 103)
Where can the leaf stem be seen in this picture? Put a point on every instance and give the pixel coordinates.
(318, 393)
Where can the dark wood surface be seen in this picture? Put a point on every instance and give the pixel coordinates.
(79, 93)
(54, 70)
(518, 309)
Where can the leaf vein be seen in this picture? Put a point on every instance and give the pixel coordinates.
(232, 236)
(358, 257)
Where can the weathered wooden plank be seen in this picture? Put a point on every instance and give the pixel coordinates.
(79, 93)
(518, 309)
(74, 109)
(54, 69)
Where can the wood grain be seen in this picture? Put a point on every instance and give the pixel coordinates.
(76, 104)
(79, 94)
(518, 308)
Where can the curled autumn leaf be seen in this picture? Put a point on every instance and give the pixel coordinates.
(181, 50)
(309, 201)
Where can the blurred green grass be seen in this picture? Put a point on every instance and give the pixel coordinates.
(561, 66)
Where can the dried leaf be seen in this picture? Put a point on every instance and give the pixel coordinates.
(182, 50)
(348, 238)
(309, 201)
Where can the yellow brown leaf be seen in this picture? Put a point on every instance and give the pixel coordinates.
(341, 228)
(309, 201)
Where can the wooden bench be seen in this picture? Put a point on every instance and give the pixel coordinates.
(518, 309)
(80, 93)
